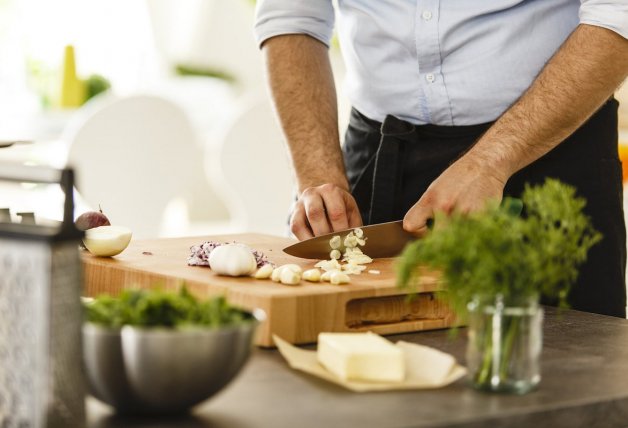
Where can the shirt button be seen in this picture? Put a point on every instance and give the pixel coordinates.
(426, 15)
(429, 77)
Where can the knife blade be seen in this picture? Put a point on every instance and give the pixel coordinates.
(382, 240)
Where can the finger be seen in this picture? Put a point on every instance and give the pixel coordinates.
(316, 216)
(336, 210)
(298, 223)
(416, 219)
(353, 212)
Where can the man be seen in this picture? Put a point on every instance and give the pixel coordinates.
(455, 102)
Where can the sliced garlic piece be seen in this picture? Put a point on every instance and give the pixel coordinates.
(353, 269)
(350, 241)
(328, 265)
(374, 272)
(335, 242)
(360, 259)
(335, 254)
(358, 232)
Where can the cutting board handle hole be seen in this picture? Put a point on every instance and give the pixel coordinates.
(374, 311)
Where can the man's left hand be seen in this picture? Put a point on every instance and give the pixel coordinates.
(463, 187)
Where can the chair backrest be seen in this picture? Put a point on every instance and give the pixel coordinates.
(133, 156)
(254, 163)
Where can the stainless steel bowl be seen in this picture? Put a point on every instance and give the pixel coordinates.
(163, 371)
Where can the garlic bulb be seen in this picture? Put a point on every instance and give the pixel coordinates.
(232, 260)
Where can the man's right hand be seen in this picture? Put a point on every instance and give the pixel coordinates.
(324, 209)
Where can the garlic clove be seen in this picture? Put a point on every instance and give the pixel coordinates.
(312, 275)
(289, 277)
(327, 275)
(339, 278)
(293, 268)
(264, 272)
(275, 276)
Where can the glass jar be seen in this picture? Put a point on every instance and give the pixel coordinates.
(505, 341)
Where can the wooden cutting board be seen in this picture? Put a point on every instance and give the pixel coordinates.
(295, 313)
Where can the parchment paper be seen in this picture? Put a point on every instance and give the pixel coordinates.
(426, 368)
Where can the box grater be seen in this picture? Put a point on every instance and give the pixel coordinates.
(41, 376)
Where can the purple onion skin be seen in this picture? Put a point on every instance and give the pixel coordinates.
(91, 219)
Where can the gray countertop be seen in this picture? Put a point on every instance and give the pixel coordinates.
(584, 384)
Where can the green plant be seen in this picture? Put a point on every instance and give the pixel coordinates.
(494, 252)
(496, 259)
(156, 308)
(191, 70)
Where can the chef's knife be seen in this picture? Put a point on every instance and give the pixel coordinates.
(382, 240)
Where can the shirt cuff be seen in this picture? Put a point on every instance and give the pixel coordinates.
(312, 17)
(606, 14)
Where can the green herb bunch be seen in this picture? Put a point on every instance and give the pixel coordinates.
(493, 252)
(156, 308)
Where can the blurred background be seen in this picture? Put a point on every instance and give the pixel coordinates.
(159, 105)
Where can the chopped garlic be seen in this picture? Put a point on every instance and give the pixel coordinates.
(349, 252)
(360, 259)
(351, 241)
(374, 272)
(353, 257)
(328, 265)
(335, 242)
(353, 269)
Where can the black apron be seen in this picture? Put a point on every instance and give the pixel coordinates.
(391, 164)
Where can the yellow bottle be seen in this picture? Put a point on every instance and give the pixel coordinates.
(72, 88)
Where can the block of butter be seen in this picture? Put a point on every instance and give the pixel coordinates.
(361, 356)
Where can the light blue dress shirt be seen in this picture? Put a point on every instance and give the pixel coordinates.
(445, 62)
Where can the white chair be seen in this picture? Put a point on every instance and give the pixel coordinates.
(254, 170)
(136, 155)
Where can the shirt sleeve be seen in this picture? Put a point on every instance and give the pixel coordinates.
(606, 13)
(276, 17)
